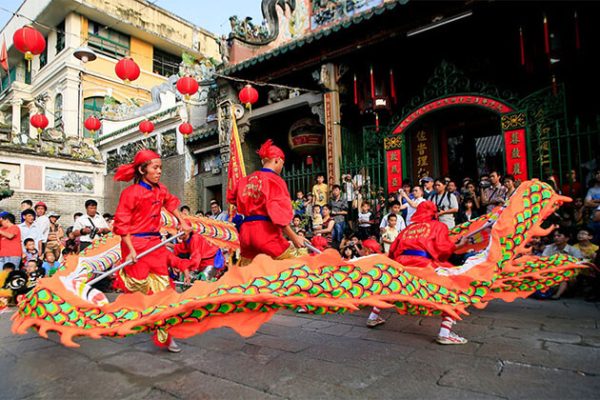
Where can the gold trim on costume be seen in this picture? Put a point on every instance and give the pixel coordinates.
(153, 283)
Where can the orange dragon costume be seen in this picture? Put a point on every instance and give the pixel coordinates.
(263, 199)
(245, 298)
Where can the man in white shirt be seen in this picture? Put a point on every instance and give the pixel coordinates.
(29, 230)
(216, 213)
(42, 221)
(412, 204)
(561, 246)
(400, 225)
(446, 202)
(90, 224)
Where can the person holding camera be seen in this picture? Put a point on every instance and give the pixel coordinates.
(446, 203)
(89, 225)
(495, 194)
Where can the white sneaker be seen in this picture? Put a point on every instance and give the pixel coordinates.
(452, 338)
(174, 347)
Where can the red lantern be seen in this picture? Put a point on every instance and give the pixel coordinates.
(92, 124)
(187, 86)
(309, 160)
(146, 127)
(127, 70)
(186, 128)
(29, 41)
(248, 96)
(39, 121)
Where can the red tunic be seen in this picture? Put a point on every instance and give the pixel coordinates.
(263, 193)
(138, 212)
(428, 237)
(202, 253)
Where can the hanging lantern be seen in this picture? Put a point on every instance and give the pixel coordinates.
(186, 128)
(146, 127)
(29, 41)
(187, 86)
(309, 160)
(248, 96)
(92, 124)
(39, 121)
(127, 70)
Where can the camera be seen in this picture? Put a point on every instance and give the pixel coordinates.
(93, 233)
(485, 184)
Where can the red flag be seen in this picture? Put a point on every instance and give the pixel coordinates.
(522, 46)
(546, 36)
(4, 56)
(236, 169)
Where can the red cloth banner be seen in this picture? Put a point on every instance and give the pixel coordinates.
(394, 172)
(236, 169)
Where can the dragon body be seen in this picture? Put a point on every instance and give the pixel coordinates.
(245, 298)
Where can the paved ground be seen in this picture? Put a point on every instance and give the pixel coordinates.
(528, 349)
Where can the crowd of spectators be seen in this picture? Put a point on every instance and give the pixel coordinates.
(346, 217)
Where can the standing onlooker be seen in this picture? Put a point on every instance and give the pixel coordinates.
(25, 205)
(472, 193)
(390, 233)
(468, 212)
(308, 205)
(339, 210)
(29, 230)
(10, 240)
(42, 221)
(452, 188)
(427, 184)
(185, 210)
(320, 191)
(110, 220)
(395, 210)
(571, 187)
(495, 195)
(216, 212)
(509, 184)
(412, 204)
(89, 225)
(55, 235)
(30, 253)
(592, 198)
(350, 196)
(446, 203)
(365, 221)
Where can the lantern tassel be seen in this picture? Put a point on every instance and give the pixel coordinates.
(372, 77)
(392, 86)
(522, 46)
(577, 38)
(376, 122)
(355, 91)
(546, 36)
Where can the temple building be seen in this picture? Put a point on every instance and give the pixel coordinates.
(393, 91)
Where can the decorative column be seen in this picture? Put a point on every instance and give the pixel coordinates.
(33, 109)
(16, 116)
(333, 129)
(72, 113)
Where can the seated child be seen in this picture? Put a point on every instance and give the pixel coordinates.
(317, 218)
(31, 253)
(50, 263)
(584, 244)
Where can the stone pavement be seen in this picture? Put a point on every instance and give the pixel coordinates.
(527, 349)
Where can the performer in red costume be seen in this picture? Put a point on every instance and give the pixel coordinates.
(203, 256)
(425, 243)
(138, 221)
(264, 201)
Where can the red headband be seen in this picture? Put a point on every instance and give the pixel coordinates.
(268, 150)
(126, 172)
(371, 245)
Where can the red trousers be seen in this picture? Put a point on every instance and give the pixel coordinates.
(156, 262)
(262, 237)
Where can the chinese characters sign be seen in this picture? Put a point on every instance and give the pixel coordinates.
(422, 154)
(516, 153)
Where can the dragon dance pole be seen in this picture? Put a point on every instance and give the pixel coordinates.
(312, 248)
(145, 253)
